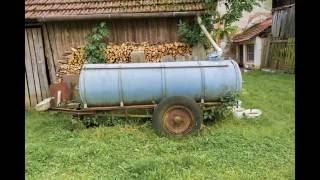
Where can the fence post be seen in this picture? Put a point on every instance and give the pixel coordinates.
(266, 59)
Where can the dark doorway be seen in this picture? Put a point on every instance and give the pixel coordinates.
(241, 55)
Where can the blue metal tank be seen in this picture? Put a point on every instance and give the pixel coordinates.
(148, 83)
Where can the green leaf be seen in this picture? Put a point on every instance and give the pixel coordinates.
(94, 47)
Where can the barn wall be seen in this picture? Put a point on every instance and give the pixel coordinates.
(63, 35)
(59, 37)
(283, 23)
(150, 30)
(36, 80)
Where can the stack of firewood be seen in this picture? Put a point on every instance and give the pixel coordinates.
(120, 53)
(72, 62)
(154, 53)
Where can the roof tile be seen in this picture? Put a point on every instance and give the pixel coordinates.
(44, 8)
(253, 31)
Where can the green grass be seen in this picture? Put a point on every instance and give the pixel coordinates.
(229, 149)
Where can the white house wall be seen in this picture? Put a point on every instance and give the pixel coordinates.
(244, 54)
(257, 52)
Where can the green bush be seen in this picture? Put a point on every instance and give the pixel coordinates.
(191, 33)
(222, 111)
(93, 51)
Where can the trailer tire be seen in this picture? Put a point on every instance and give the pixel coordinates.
(177, 116)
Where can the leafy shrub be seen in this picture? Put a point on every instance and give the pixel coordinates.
(191, 33)
(100, 120)
(222, 111)
(93, 51)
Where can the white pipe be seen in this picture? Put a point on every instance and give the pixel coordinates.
(205, 31)
(59, 98)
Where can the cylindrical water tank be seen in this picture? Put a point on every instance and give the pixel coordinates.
(148, 83)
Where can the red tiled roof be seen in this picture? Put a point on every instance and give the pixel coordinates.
(253, 31)
(59, 8)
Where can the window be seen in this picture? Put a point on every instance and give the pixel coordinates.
(250, 52)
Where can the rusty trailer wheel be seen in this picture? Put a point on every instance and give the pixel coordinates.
(177, 119)
(177, 116)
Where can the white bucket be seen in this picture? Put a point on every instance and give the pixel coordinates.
(44, 105)
(252, 113)
(238, 112)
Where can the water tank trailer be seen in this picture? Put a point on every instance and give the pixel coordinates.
(176, 91)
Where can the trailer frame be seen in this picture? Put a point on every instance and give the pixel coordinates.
(95, 110)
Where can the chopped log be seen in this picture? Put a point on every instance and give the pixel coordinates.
(73, 59)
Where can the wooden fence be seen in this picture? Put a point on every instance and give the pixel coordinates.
(280, 55)
(283, 22)
(36, 81)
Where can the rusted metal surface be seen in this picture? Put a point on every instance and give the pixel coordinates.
(131, 115)
(95, 110)
(72, 81)
(109, 108)
(178, 120)
(72, 111)
(65, 92)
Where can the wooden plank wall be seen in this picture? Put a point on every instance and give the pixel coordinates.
(36, 81)
(265, 51)
(281, 55)
(150, 30)
(283, 23)
(59, 37)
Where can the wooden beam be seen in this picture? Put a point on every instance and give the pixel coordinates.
(53, 45)
(48, 54)
(279, 41)
(29, 72)
(40, 61)
(58, 40)
(41, 64)
(266, 59)
(26, 93)
(34, 65)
